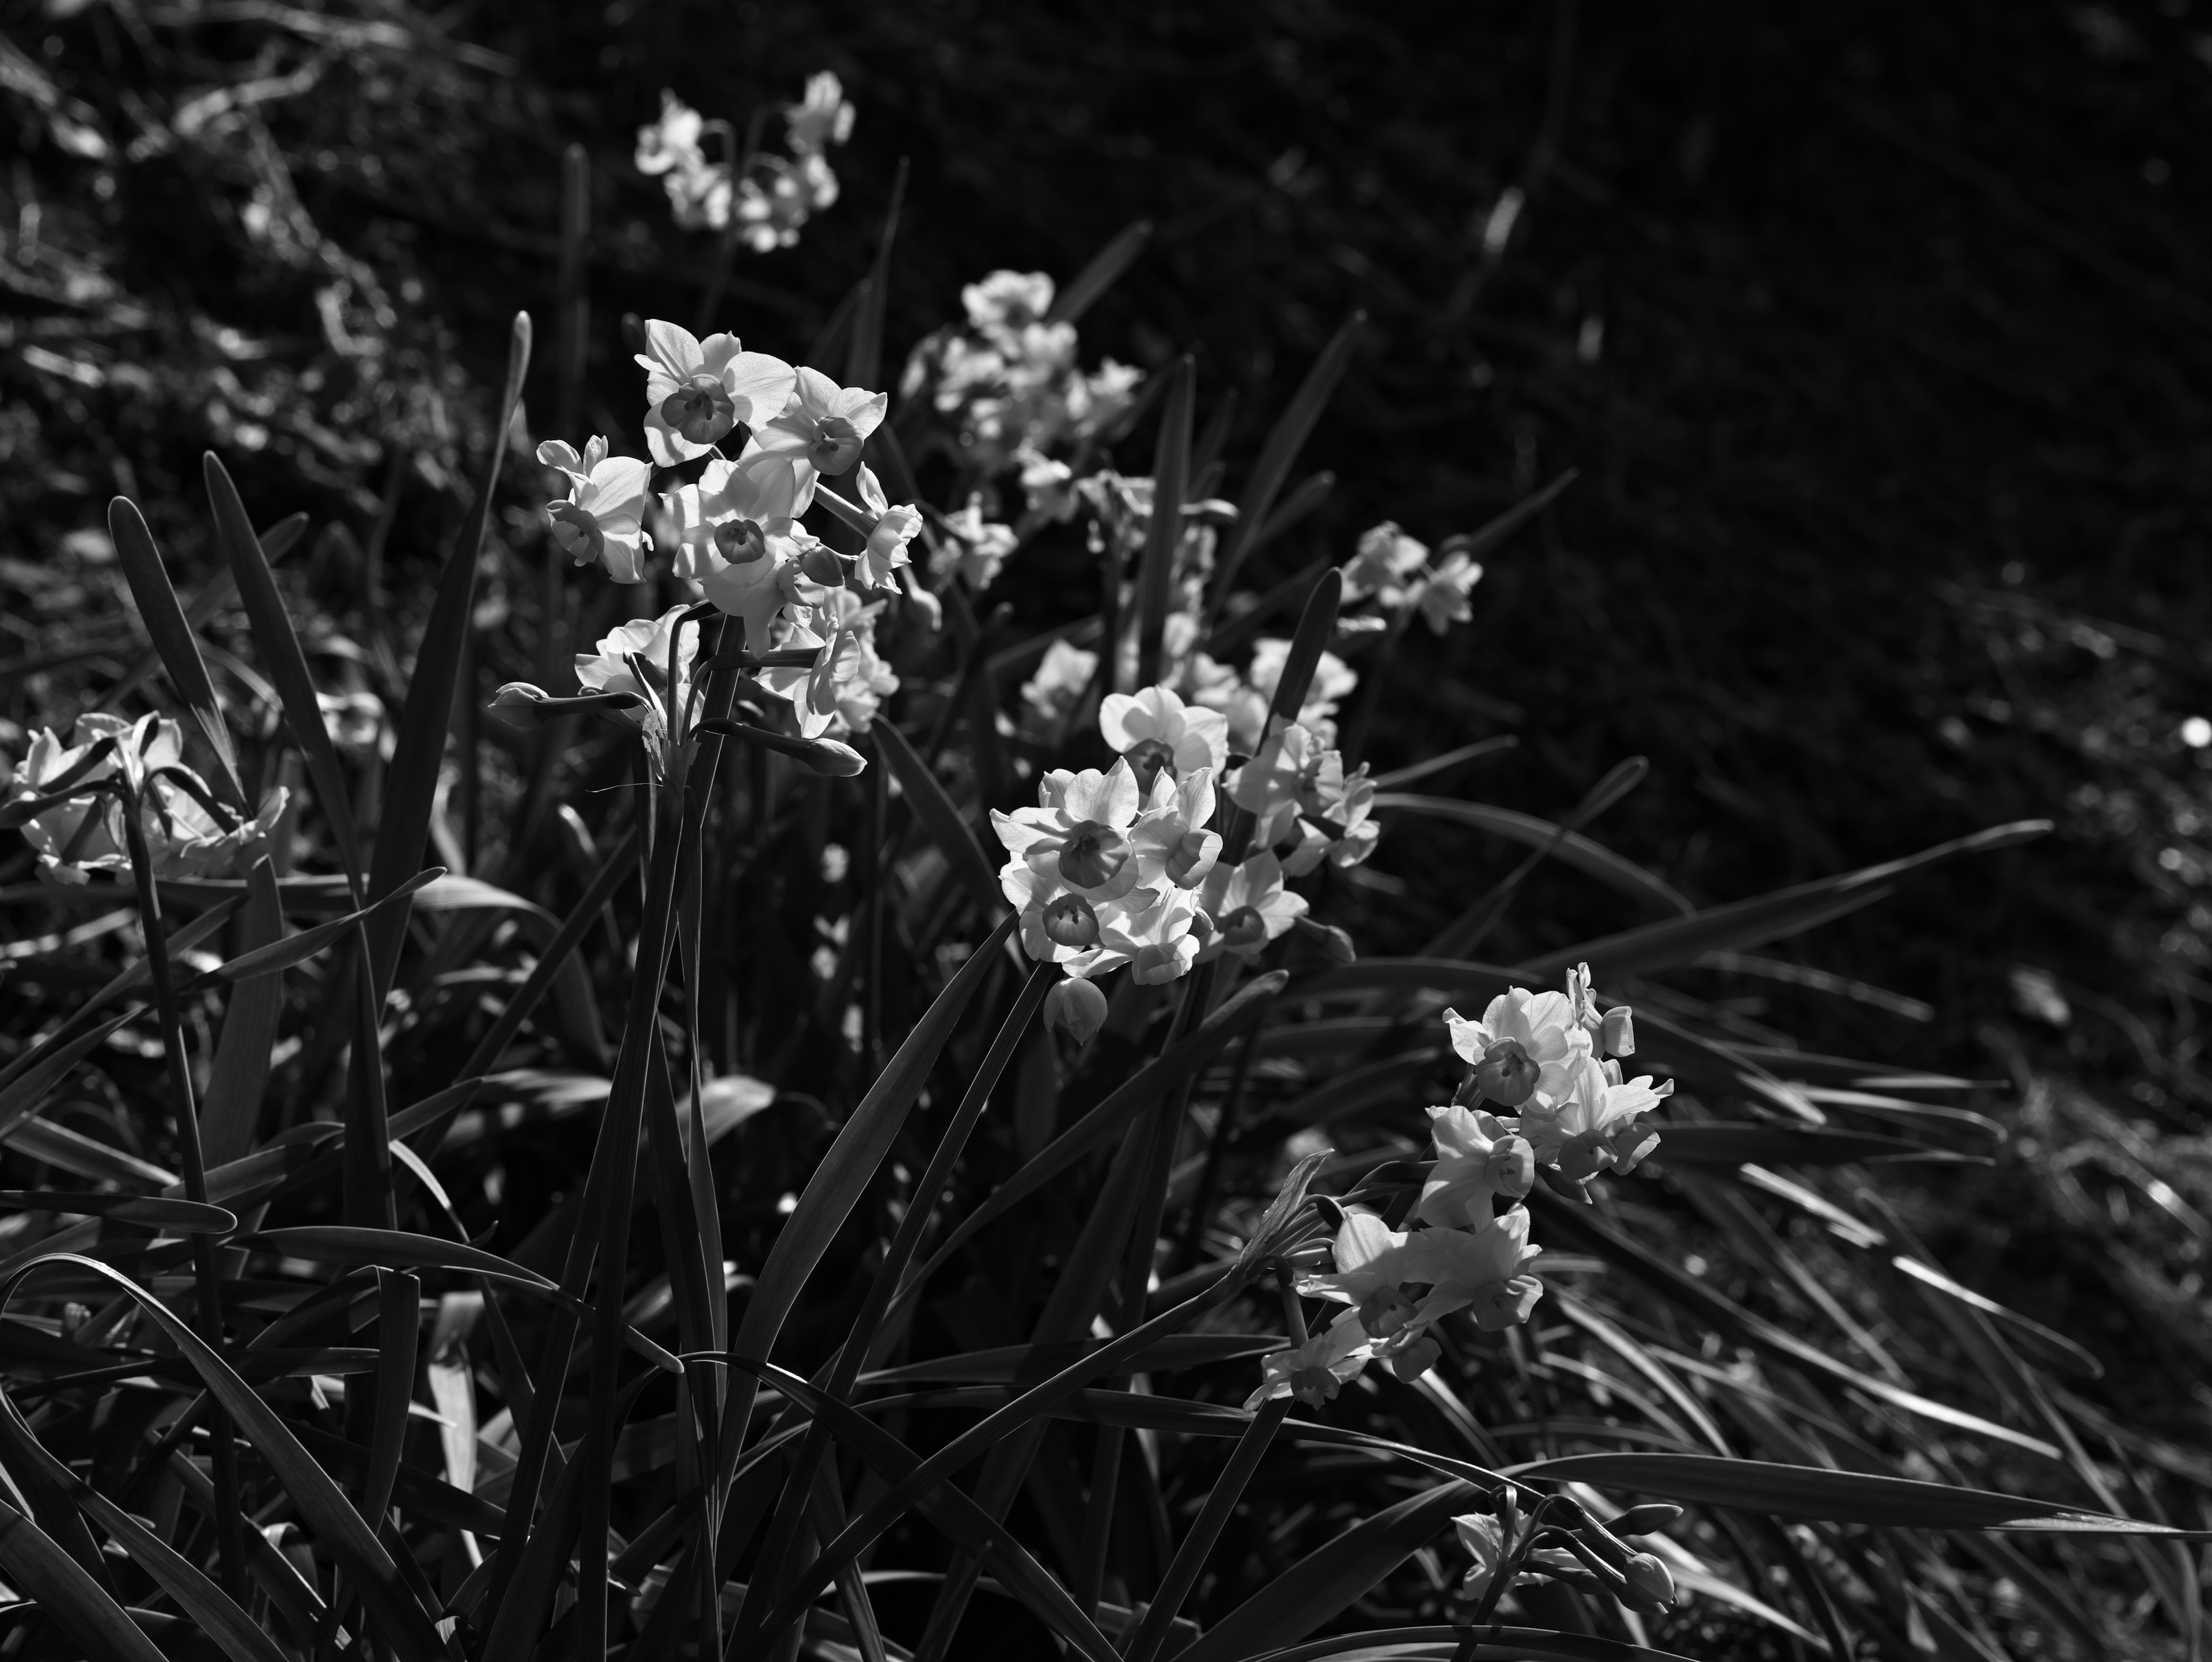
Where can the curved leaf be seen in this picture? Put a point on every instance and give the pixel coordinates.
(1821, 1495)
(1710, 1142)
(945, 824)
(60, 1587)
(1570, 848)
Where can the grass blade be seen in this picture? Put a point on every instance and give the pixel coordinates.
(1327, 1581)
(863, 364)
(1571, 848)
(79, 1605)
(952, 831)
(1819, 1494)
(174, 638)
(1083, 290)
(287, 662)
(339, 1528)
(1284, 441)
(399, 1329)
(1170, 480)
(232, 1107)
(419, 749)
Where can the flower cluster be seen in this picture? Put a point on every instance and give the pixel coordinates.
(771, 436)
(766, 200)
(1561, 1541)
(71, 801)
(1395, 572)
(1535, 1052)
(1010, 388)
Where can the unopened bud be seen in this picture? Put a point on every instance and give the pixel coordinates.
(1069, 922)
(701, 410)
(1618, 1033)
(1507, 1074)
(1077, 1009)
(1649, 1582)
(1335, 945)
(1510, 1170)
(824, 565)
(838, 761)
(516, 705)
(1644, 1520)
(1093, 854)
(740, 541)
(1148, 758)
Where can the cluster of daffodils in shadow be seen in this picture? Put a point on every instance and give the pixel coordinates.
(84, 803)
(760, 198)
(1550, 1061)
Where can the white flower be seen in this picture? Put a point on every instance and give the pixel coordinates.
(602, 520)
(1148, 929)
(1484, 1538)
(1007, 300)
(635, 658)
(1170, 838)
(1248, 904)
(1315, 1371)
(1049, 485)
(1484, 1268)
(1061, 678)
(1374, 1263)
(1156, 732)
(1478, 1155)
(1300, 794)
(672, 142)
(1542, 1024)
(1594, 1125)
(895, 527)
(823, 429)
(1078, 832)
(845, 687)
(1387, 558)
(700, 390)
(1333, 679)
(975, 547)
(1441, 593)
(823, 118)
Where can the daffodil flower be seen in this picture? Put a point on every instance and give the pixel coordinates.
(1249, 905)
(894, 528)
(601, 521)
(1157, 732)
(1383, 565)
(822, 118)
(1149, 930)
(1483, 1268)
(699, 392)
(1593, 1127)
(1374, 1262)
(1478, 1155)
(1441, 593)
(1482, 1537)
(1060, 681)
(822, 429)
(1316, 1371)
(1170, 838)
(1542, 1024)
(975, 548)
(635, 658)
(1078, 832)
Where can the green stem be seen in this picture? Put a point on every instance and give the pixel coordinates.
(229, 1523)
(1190, 1557)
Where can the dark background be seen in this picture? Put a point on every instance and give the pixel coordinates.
(1878, 337)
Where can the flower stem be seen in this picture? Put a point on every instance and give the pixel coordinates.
(229, 1523)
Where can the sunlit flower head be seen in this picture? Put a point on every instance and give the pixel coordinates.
(699, 392)
(1387, 560)
(601, 521)
(1477, 1156)
(974, 547)
(1061, 678)
(1315, 1371)
(633, 658)
(822, 118)
(1249, 905)
(1154, 730)
(1542, 1024)
(1484, 1270)
(1595, 1124)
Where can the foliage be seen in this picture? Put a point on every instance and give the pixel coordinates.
(672, 1277)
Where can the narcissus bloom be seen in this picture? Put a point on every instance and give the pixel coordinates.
(822, 429)
(894, 528)
(635, 658)
(1383, 565)
(1061, 680)
(822, 118)
(1170, 838)
(1542, 1024)
(1149, 930)
(1316, 1369)
(1249, 905)
(1155, 730)
(601, 521)
(1078, 832)
(1441, 593)
(699, 392)
(1478, 1155)
(1594, 1125)
(973, 546)
(1485, 1268)
(1374, 1263)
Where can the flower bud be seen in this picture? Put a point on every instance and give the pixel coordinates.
(1334, 943)
(836, 445)
(1077, 1009)
(1148, 758)
(1584, 1156)
(701, 410)
(1616, 1036)
(740, 541)
(836, 760)
(1507, 1074)
(1510, 1170)
(824, 565)
(1093, 855)
(1644, 1520)
(1650, 1583)
(1069, 922)
(515, 705)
